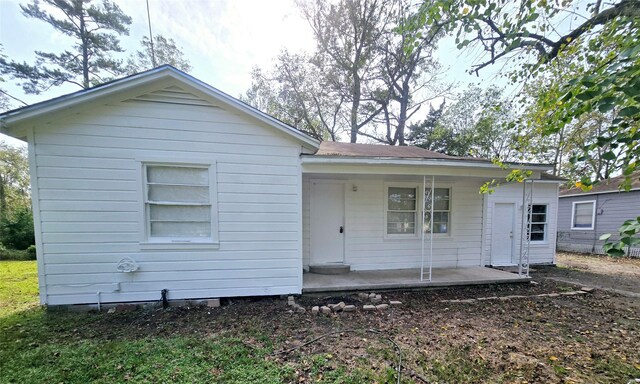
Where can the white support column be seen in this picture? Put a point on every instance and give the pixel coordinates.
(424, 182)
(433, 180)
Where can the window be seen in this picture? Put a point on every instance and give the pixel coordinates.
(402, 211)
(178, 203)
(441, 210)
(583, 215)
(538, 222)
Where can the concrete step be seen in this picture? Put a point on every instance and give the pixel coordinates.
(330, 269)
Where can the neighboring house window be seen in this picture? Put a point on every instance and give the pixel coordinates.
(538, 222)
(441, 210)
(583, 215)
(402, 204)
(178, 203)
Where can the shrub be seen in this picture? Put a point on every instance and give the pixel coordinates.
(32, 252)
(15, 254)
(16, 230)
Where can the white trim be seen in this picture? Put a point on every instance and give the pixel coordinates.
(37, 221)
(573, 215)
(545, 241)
(144, 78)
(146, 243)
(514, 222)
(300, 228)
(306, 159)
(392, 236)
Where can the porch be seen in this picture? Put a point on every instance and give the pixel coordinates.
(406, 278)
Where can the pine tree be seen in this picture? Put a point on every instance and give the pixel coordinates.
(164, 50)
(95, 27)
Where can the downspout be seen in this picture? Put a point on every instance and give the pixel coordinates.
(595, 225)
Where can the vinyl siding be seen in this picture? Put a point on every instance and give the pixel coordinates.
(612, 209)
(544, 193)
(90, 202)
(367, 247)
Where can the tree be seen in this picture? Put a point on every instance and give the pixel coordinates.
(165, 51)
(346, 34)
(93, 27)
(14, 179)
(606, 42)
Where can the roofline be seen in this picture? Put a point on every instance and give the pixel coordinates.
(358, 160)
(67, 101)
(597, 193)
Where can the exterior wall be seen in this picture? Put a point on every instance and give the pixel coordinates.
(367, 248)
(612, 209)
(90, 207)
(544, 193)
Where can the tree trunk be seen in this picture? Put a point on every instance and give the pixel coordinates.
(355, 105)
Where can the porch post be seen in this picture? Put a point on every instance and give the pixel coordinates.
(433, 180)
(424, 185)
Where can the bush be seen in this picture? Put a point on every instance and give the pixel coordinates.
(32, 252)
(16, 230)
(15, 254)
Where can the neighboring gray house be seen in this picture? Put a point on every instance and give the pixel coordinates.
(584, 216)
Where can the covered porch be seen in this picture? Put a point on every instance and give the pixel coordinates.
(406, 278)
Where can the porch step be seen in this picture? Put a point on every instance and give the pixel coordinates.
(330, 269)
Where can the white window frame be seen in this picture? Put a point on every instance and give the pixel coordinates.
(546, 223)
(449, 229)
(168, 243)
(593, 215)
(417, 211)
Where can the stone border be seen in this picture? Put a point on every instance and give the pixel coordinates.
(582, 291)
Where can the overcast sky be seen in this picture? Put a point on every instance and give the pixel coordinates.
(223, 39)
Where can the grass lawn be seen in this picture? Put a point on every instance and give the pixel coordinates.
(587, 338)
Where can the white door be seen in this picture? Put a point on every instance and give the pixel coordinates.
(327, 222)
(502, 234)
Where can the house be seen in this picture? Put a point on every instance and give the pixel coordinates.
(159, 181)
(584, 216)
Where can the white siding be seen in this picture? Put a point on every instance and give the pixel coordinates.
(544, 193)
(90, 203)
(367, 248)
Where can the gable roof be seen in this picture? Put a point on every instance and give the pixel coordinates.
(164, 72)
(605, 186)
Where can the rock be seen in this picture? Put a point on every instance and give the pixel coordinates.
(363, 296)
(587, 289)
(112, 310)
(534, 282)
(315, 310)
(337, 307)
(395, 303)
(381, 307)
(369, 307)
(299, 309)
(213, 303)
(349, 308)
(326, 310)
(377, 299)
(372, 295)
(291, 300)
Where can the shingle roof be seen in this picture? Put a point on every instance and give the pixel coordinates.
(605, 186)
(333, 148)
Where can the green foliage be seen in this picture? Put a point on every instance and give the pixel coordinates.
(629, 233)
(93, 27)
(16, 230)
(165, 51)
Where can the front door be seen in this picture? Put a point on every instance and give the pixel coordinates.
(327, 222)
(502, 234)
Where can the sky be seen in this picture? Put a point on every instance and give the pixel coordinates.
(222, 39)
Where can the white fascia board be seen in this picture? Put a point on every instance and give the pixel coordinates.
(411, 162)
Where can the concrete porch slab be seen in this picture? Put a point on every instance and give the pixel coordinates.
(406, 278)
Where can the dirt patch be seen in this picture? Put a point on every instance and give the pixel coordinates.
(599, 271)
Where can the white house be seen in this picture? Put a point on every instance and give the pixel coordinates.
(159, 181)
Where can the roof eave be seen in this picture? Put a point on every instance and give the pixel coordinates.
(313, 159)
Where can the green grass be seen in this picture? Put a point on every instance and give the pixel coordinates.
(18, 286)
